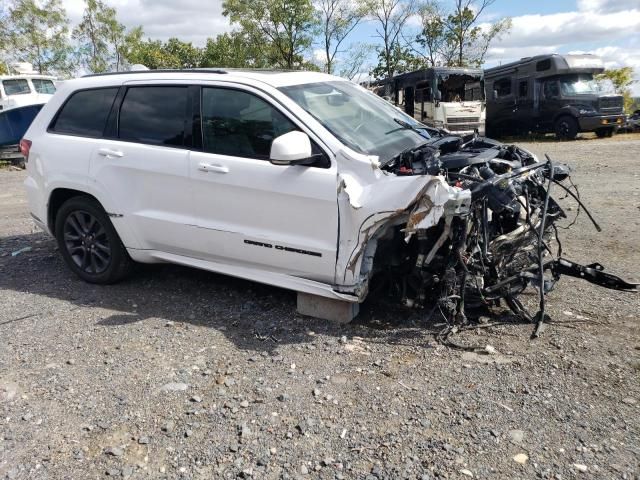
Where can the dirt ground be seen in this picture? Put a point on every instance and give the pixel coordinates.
(177, 373)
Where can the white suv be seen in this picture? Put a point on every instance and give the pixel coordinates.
(295, 179)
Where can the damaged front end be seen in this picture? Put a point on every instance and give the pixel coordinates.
(479, 232)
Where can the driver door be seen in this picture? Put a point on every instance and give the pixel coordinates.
(250, 212)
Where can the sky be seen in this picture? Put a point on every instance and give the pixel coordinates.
(608, 28)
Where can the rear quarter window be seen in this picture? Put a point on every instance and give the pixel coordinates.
(85, 113)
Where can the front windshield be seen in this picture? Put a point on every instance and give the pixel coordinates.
(579, 85)
(458, 87)
(358, 118)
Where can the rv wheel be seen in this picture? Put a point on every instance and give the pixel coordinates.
(566, 128)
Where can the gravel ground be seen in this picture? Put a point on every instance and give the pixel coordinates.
(177, 373)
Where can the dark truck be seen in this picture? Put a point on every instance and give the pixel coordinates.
(550, 94)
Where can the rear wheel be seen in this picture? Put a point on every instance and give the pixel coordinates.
(88, 242)
(566, 128)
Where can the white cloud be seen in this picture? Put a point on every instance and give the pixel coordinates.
(606, 5)
(570, 27)
(189, 20)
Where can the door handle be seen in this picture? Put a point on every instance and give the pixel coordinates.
(107, 152)
(209, 167)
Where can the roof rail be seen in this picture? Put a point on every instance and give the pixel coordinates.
(166, 70)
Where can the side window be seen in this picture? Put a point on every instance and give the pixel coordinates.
(17, 86)
(502, 87)
(43, 85)
(543, 65)
(85, 113)
(523, 88)
(154, 115)
(550, 89)
(240, 124)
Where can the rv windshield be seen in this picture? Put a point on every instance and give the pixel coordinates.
(578, 85)
(358, 118)
(458, 87)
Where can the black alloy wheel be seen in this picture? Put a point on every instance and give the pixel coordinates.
(86, 242)
(89, 242)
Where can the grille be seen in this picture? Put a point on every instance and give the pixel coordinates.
(451, 120)
(461, 127)
(611, 104)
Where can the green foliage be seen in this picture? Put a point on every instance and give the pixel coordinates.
(37, 32)
(464, 35)
(100, 38)
(234, 50)
(283, 29)
(621, 79)
(403, 61)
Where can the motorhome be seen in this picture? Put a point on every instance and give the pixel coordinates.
(441, 97)
(551, 94)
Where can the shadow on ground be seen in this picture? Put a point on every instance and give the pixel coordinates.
(253, 316)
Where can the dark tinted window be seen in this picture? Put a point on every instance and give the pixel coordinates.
(502, 87)
(240, 124)
(523, 88)
(543, 65)
(85, 113)
(155, 115)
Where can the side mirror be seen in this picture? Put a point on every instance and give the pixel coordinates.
(438, 95)
(292, 148)
(495, 94)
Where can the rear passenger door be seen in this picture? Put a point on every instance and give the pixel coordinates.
(252, 213)
(142, 164)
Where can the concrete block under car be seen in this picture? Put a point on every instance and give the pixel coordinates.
(327, 308)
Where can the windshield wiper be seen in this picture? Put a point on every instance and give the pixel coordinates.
(406, 126)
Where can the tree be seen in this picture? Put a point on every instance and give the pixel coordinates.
(100, 37)
(435, 45)
(184, 54)
(38, 33)
(467, 37)
(338, 18)
(404, 61)
(233, 50)
(390, 16)
(354, 64)
(283, 28)
(621, 79)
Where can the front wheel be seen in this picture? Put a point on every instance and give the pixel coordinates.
(604, 132)
(566, 128)
(88, 242)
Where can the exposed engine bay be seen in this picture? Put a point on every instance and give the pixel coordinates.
(498, 239)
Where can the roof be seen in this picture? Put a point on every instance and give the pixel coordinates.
(26, 75)
(275, 78)
(568, 62)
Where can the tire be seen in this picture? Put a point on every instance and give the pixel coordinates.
(604, 132)
(89, 243)
(566, 128)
